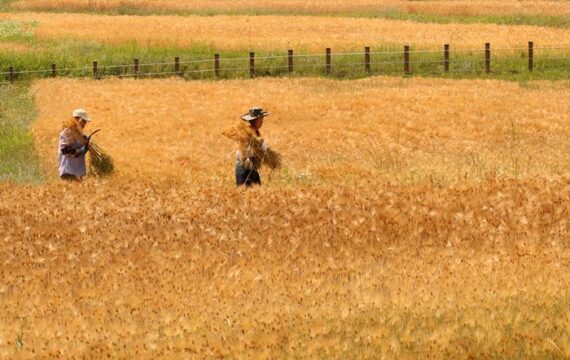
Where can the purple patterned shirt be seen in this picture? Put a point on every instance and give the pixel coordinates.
(71, 164)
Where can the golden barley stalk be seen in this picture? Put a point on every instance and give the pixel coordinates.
(101, 162)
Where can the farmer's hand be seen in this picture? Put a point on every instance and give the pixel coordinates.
(82, 150)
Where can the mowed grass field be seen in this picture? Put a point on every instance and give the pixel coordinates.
(400, 227)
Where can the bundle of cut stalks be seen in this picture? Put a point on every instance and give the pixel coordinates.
(270, 158)
(101, 162)
(251, 145)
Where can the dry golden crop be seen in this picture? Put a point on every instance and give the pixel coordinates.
(168, 270)
(463, 7)
(13, 47)
(282, 32)
(400, 226)
(329, 132)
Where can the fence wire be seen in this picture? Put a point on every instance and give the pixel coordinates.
(368, 59)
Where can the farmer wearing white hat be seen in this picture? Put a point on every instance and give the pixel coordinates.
(73, 145)
(251, 148)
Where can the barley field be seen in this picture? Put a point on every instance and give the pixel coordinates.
(412, 130)
(461, 7)
(139, 270)
(280, 32)
(413, 218)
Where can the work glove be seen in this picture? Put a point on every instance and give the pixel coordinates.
(68, 150)
(82, 150)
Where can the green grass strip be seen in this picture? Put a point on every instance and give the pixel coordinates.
(5, 5)
(514, 19)
(18, 161)
(18, 31)
(197, 62)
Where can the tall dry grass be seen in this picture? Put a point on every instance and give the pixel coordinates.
(282, 32)
(329, 132)
(164, 270)
(168, 259)
(462, 7)
(14, 47)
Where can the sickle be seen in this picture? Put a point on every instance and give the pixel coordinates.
(93, 133)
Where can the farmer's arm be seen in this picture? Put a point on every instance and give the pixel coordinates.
(70, 148)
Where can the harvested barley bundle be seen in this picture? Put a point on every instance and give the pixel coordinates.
(251, 147)
(270, 158)
(241, 132)
(101, 162)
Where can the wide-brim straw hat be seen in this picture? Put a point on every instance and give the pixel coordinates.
(254, 113)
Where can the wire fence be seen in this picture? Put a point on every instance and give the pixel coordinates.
(341, 64)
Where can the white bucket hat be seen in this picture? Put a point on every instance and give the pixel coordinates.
(80, 113)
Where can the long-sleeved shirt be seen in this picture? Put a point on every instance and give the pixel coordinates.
(70, 163)
(249, 145)
(246, 154)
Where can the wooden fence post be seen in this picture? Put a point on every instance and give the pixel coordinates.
(217, 65)
(367, 59)
(177, 66)
(367, 62)
(530, 55)
(407, 59)
(328, 61)
(446, 57)
(487, 58)
(252, 65)
(136, 67)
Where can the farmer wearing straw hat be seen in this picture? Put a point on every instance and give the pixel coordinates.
(252, 150)
(73, 145)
